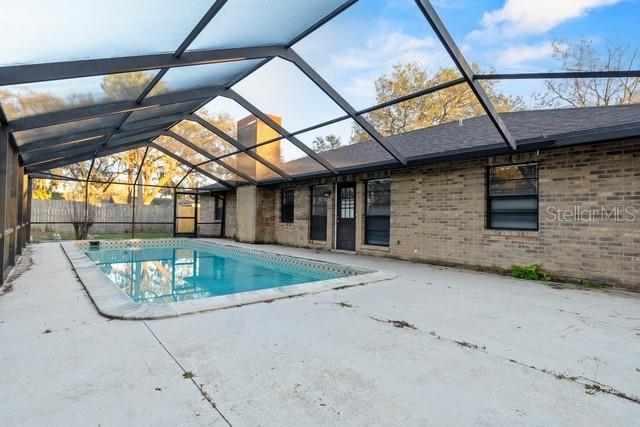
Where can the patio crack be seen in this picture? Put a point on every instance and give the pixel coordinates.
(590, 385)
(188, 375)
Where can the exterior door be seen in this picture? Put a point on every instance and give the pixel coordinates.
(346, 217)
(185, 215)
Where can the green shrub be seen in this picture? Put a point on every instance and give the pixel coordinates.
(592, 285)
(529, 272)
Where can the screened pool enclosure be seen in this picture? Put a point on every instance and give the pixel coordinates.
(130, 119)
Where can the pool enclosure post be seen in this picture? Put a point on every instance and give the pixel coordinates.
(174, 212)
(27, 235)
(135, 193)
(224, 215)
(17, 241)
(4, 158)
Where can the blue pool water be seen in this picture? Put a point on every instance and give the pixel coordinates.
(169, 274)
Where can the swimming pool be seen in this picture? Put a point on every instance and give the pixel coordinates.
(160, 278)
(190, 271)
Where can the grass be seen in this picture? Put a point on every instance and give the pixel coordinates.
(592, 285)
(529, 272)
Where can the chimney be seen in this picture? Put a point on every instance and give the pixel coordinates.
(252, 131)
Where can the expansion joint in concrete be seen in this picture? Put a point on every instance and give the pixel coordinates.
(188, 375)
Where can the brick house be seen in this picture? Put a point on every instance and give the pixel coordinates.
(569, 199)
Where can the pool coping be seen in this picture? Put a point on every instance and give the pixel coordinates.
(113, 303)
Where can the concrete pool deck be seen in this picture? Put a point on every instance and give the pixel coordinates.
(433, 346)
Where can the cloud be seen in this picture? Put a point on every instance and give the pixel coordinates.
(518, 55)
(357, 68)
(384, 50)
(526, 17)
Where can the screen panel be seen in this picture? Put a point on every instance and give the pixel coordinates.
(110, 210)
(229, 117)
(31, 99)
(203, 138)
(243, 23)
(289, 158)
(31, 135)
(200, 76)
(161, 170)
(345, 144)
(181, 150)
(377, 50)
(525, 37)
(119, 167)
(40, 31)
(280, 89)
(558, 106)
(196, 180)
(250, 167)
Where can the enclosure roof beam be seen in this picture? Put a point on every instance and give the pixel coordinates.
(191, 165)
(40, 157)
(67, 160)
(561, 75)
(77, 138)
(201, 25)
(463, 66)
(160, 122)
(292, 56)
(213, 10)
(92, 111)
(213, 129)
(122, 144)
(30, 73)
(422, 92)
(74, 138)
(271, 123)
(205, 153)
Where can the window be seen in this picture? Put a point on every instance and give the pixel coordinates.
(319, 195)
(218, 211)
(377, 220)
(347, 202)
(286, 213)
(513, 197)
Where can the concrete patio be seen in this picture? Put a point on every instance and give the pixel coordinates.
(434, 346)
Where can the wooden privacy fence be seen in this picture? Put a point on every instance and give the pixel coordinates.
(55, 216)
(51, 215)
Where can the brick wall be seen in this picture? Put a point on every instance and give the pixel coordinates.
(230, 210)
(438, 215)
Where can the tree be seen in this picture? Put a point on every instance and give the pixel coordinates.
(165, 167)
(128, 86)
(592, 92)
(22, 103)
(27, 102)
(454, 103)
(45, 189)
(329, 142)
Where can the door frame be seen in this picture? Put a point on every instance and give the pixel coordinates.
(176, 217)
(353, 184)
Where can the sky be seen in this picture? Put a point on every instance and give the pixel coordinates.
(350, 52)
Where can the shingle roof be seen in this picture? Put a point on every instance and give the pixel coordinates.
(532, 129)
(479, 132)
